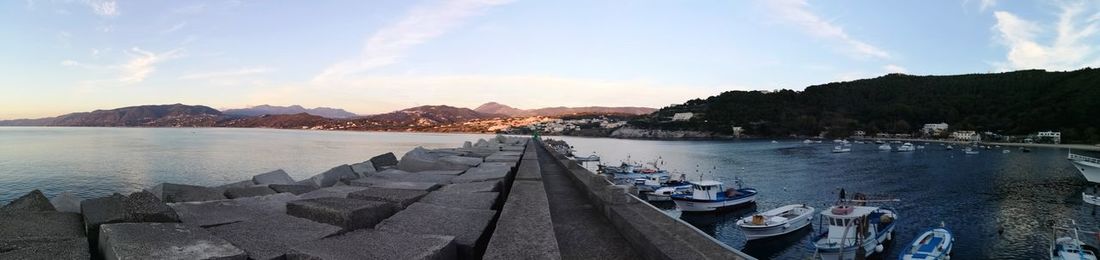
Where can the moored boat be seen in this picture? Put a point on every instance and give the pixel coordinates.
(970, 151)
(906, 147)
(853, 232)
(933, 244)
(776, 222)
(712, 196)
(1088, 166)
(885, 147)
(1067, 245)
(842, 149)
(665, 193)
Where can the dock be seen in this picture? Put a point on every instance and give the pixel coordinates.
(505, 198)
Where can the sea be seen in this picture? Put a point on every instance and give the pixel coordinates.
(999, 205)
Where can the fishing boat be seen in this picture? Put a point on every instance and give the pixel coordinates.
(853, 232)
(885, 147)
(712, 195)
(970, 151)
(933, 244)
(906, 147)
(776, 222)
(1067, 245)
(665, 193)
(842, 149)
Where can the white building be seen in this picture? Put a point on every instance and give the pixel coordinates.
(934, 129)
(1055, 137)
(682, 116)
(966, 136)
(737, 130)
(859, 134)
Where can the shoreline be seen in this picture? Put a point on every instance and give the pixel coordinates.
(1086, 147)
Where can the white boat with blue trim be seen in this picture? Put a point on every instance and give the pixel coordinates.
(853, 232)
(776, 222)
(1067, 245)
(713, 196)
(934, 244)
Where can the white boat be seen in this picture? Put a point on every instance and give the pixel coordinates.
(590, 158)
(775, 142)
(1068, 245)
(1090, 198)
(817, 142)
(808, 141)
(934, 244)
(852, 230)
(1088, 166)
(842, 149)
(970, 151)
(885, 147)
(949, 147)
(906, 147)
(665, 193)
(776, 222)
(1006, 151)
(712, 196)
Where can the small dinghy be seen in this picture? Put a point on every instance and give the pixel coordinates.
(933, 244)
(776, 222)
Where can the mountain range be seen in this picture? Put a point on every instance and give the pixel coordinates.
(501, 109)
(289, 110)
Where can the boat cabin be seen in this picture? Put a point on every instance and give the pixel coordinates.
(707, 190)
(849, 223)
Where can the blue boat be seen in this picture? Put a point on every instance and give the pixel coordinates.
(933, 244)
(713, 196)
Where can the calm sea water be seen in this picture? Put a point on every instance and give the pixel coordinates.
(974, 195)
(94, 162)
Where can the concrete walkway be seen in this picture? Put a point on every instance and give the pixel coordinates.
(581, 232)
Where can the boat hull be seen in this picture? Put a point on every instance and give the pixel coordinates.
(1090, 199)
(1090, 170)
(754, 233)
(703, 206)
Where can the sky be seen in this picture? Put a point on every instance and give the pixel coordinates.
(62, 56)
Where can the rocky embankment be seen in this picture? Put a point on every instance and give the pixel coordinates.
(430, 204)
(636, 133)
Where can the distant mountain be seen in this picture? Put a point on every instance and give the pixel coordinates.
(175, 115)
(290, 110)
(426, 116)
(497, 108)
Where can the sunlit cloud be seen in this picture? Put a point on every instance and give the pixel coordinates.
(142, 63)
(1067, 44)
(226, 73)
(105, 8)
(798, 13)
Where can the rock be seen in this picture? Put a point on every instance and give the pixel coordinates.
(295, 189)
(466, 200)
(272, 236)
(409, 177)
(66, 202)
(67, 249)
(383, 161)
(349, 214)
(332, 176)
(138, 207)
(273, 177)
(420, 159)
(32, 201)
(468, 161)
(482, 174)
(481, 186)
(234, 193)
(388, 184)
(332, 192)
(402, 198)
(163, 241)
(171, 192)
(212, 213)
(363, 169)
(445, 172)
(374, 244)
(468, 226)
(145, 207)
(24, 227)
(467, 145)
(481, 143)
(239, 184)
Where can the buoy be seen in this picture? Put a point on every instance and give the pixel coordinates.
(878, 249)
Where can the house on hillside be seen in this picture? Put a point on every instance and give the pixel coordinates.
(682, 116)
(1049, 137)
(969, 136)
(933, 129)
(859, 134)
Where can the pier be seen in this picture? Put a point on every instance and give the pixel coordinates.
(505, 198)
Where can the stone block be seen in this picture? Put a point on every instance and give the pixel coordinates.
(163, 241)
(171, 192)
(388, 184)
(138, 207)
(32, 201)
(374, 244)
(272, 236)
(296, 189)
(234, 193)
(273, 177)
(363, 169)
(446, 172)
(481, 186)
(349, 214)
(239, 184)
(420, 159)
(67, 249)
(66, 202)
(467, 144)
(482, 174)
(332, 176)
(502, 158)
(38, 226)
(332, 192)
(524, 229)
(213, 213)
(383, 161)
(466, 200)
(468, 161)
(401, 198)
(468, 226)
(409, 177)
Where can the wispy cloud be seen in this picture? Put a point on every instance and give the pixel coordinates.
(105, 8)
(226, 74)
(893, 68)
(422, 23)
(1070, 40)
(798, 12)
(142, 63)
(174, 28)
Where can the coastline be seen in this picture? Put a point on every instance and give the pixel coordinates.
(1065, 146)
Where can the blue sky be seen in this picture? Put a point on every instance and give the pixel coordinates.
(367, 57)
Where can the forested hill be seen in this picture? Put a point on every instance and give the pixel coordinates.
(1012, 103)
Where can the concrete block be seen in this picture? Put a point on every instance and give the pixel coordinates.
(388, 184)
(38, 226)
(466, 200)
(363, 169)
(524, 229)
(481, 186)
(332, 176)
(383, 161)
(296, 189)
(32, 201)
(273, 177)
(145, 207)
(402, 198)
(213, 213)
(502, 158)
(482, 174)
(66, 202)
(234, 193)
(171, 192)
(529, 170)
(446, 172)
(272, 236)
(138, 207)
(468, 161)
(349, 214)
(409, 177)
(332, 192)
(239, 184)
(374, 244)
(420, 159)
(163, 241)
(67, 249)
(467, 144)
(468, 226)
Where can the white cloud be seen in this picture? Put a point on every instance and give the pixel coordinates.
(226, 74)
(105, 8)
(142, 63)
(986, 4)
(798, 12)
(1069, 43)
(892, 68)
(174, 28)
(422, 23)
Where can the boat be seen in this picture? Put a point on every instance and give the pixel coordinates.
(1068, 244)
(665, 193)
(880, 141)
(933, 244)
(885, 147)
(1006, 151)
(590, 158)
(775, 142)
(1088, 166)
(850, 230)
(842, 149)
(808, 141)
(711, 196)
(776, 222)
(970, 151)
(949, 147)
(906, 147)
